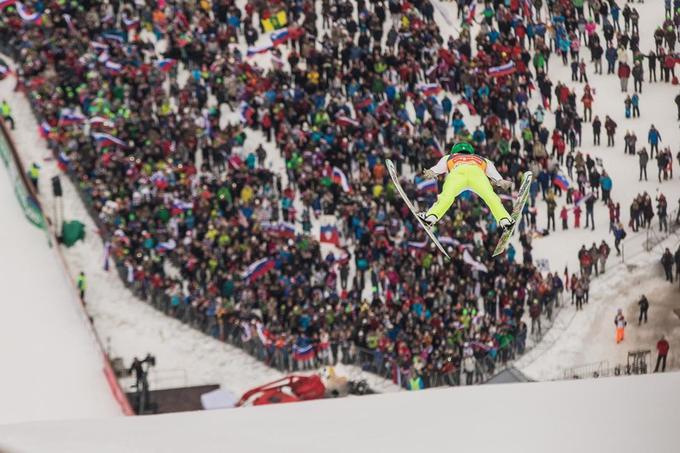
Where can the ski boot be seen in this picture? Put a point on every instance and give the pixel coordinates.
(506, 224)
(428, 220)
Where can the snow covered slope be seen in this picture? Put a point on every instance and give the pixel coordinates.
(586, 337)
(626, 414)
(51, 366)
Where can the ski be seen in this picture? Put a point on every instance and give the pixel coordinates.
(520, 201)
(395, 179)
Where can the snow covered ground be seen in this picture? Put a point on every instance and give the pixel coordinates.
(587, 337)
(52, 368)
(626, 415)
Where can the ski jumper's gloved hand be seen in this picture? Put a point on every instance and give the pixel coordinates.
(503, 184)
(429, 174)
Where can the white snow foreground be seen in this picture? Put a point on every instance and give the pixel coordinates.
(52, 367)
(625, 414)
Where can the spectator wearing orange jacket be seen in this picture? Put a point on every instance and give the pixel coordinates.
(620, 323)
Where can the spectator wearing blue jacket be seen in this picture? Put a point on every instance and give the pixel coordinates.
(544, 181)
(619, 235)
(610, 55)
(458, 124)
(635, 102)
(653, 138)
(564, 44)
(447, 106)
(478, 136)
(606, 185)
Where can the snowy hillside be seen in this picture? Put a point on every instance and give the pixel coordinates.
(51, 367)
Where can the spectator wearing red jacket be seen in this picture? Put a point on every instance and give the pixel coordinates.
(668, 67)
(662, 348)
(624, 75)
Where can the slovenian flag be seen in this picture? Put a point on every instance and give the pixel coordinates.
(258, 269)
(98, 121)
(62, 161)
(256, 50)
(98, 45)
(280, 36)
(362, 104)
(346, 121)
(303, 353)
(166, 64)
(329, 234)
(471, 13)
(34, 17)
(130, 24)
(428, 185)
(167, 245)
(340, 178)
(561, 182)
(114, 36)
(68, 117)
(476, 265)
(468, 104)
(113, 67)
(448, 240)
(417, 245)
(502, 70)
(104, 140)
(5, 3)
(69, 22)
(179, 205)
(286, 230)
(45, 129)
(429, 89)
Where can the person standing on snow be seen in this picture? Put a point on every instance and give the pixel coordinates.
(603, 253)
(653, 138)
(644, 306)
(620, 323)
(610, 127)
(667, 263)
(662, 348)
(590, 219)
(6, 113)
(638, 77)
(619, 235)
(467, 171)
(643, 160)
(81, 282)
(33, 174)
(624, 75)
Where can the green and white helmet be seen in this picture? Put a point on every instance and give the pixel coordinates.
(462, 147)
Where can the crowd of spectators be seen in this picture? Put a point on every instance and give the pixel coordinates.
(186, 186)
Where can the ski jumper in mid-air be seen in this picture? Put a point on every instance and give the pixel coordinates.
(467, 171)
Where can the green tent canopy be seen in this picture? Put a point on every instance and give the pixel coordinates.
(72, 232)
